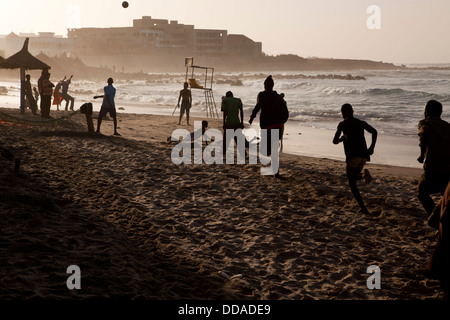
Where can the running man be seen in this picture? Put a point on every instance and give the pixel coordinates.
(355, 147)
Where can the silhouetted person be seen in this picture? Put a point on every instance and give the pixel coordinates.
(439, 264)
(282, 128)
(355, 148)
(36, 96)
(191, 136)
(274, 113)
(108, 105)
(40, 86)
(186, 102)
(434, 142)
(57, 96)
(64, 93)
(233, 117)
(47, 90)
(29, 95)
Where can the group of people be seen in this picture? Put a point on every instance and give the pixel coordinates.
(44, 93)
(434, 142)
(61, 94)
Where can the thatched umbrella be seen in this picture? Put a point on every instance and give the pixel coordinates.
(25, 61)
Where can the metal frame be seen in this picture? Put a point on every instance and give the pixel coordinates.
(211, 109)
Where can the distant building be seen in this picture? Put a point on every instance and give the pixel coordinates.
(240, 45)
(43, 42)
(148, 43)
(210, 43)
(159, 36)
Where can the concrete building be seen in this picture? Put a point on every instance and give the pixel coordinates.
(43, 42)
(242, 46)
(153, 36)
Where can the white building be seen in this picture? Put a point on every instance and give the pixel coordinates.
(43, 42)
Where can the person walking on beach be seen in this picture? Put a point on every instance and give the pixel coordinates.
(29, 95)
(351, 133)
(186, 102)
(47, 91)
(274, 113)
(108, 105)
(233, 117)
(434, 142)
(64, 93)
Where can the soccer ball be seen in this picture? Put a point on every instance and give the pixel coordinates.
(125, 4)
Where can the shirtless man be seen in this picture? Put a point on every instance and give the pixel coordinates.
(186, 102)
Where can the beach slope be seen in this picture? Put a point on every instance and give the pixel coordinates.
(139, 226)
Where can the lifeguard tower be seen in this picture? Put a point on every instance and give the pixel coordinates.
(206, 86)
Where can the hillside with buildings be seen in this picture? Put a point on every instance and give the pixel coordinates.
(158, 45)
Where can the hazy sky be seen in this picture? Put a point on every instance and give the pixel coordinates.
(404, 31)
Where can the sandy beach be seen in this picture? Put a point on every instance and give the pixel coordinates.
(141, 227)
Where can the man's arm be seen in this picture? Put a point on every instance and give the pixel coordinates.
(374, 133)
(337, 136)
(242, 116)
(225, 114)
(423, 137)
(254, 112)
(255, 109)
(179, 98)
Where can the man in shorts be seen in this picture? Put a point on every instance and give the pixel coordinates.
(108, 106)
(355, 147)
(186, 102)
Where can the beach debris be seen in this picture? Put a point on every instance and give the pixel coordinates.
(228, 277)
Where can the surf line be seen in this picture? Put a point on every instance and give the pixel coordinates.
(213, 152)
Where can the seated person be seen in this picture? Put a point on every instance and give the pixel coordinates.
(191, 137)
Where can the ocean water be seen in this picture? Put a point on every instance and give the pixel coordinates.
(391, 101)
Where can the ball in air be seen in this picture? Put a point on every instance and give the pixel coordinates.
(125, 4)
